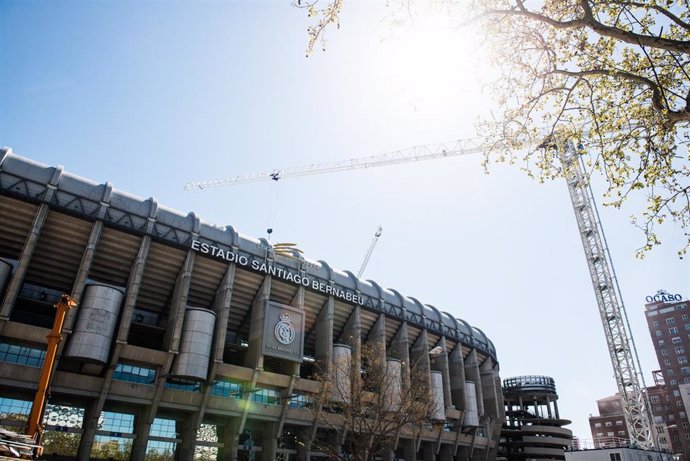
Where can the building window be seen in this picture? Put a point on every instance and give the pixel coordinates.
(667, 362)
(669, 372)
(655, 324)
(608, 424)
(227, 389)
(661, 342)
(664, 352)
(266, 396)
(658, 333)
(117, 422)
(685, 370)
(676, 393)
(600, 434)
(683, 415)
(615, 456)
(687, 326)
(610, 434)
(673, 330)
(684, 317)
(676, 340)
(22, 355)
(188, 387)
(621, 433)
(671, 417)
(680, 350)
(654, 399)
(301, 401)
(679, 403)
(686, 425)
(682, 359)
(134, 374)
(163, 428)
(670, 321)
(673, 381)
(619, 423)
(597, 424)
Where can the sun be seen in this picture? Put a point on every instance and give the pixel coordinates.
(431, 61)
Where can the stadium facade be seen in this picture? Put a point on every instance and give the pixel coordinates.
(195, 342)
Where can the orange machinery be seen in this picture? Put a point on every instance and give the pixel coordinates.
(35, 426)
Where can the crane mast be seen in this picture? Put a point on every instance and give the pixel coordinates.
(614, 318)
(379, 230)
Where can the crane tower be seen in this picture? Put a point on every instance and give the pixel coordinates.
(624, 359)
(614, 318)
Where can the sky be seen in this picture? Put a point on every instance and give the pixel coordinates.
(152, 95)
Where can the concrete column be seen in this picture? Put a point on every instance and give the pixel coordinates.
(173, 332)
(428, 451)
(83, 272)
(400, 349)
(421, 365)
(489, 393)
(89, 254)
(269, 444)
(228, 435)
(89, 427)
(254, 358)
(352, 336)
(376, 340)
(187, 430)
(20, 269)
(445, 453)
(409, 451)
(388, 455)
(440, 363)
(456, 367)
(221, 306)
(132, 293)
(304, 450)
(324, 337)
(472, 374)
(142, 430)
(171, 342)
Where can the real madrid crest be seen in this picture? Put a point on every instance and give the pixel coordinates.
(284, 331)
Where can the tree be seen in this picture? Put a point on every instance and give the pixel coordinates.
(612, 75)
(365, 410)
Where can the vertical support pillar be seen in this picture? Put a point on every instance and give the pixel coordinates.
(254, 358)
(89, 254)
(376, 340)
(23, 263)
(409, 451)
(440, 363)
(304, 449)
(132, 293)
(489, 392)
(324, 337)
(472, 373)
(187, 430)
(428, 451)
(456, 366)
(228, 434)
(171, 341)
(269, 444)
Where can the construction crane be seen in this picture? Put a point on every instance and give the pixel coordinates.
(614, 318)
(412, 154)
(379, 230)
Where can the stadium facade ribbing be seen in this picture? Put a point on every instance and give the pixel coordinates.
(199, 341)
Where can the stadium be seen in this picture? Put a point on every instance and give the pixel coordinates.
(192, 341)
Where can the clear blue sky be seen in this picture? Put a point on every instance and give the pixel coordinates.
(151, 95)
